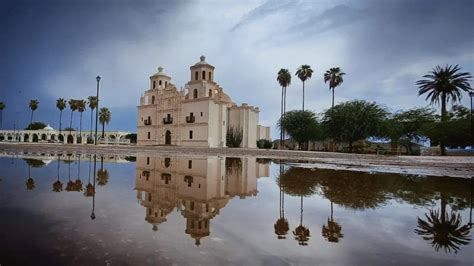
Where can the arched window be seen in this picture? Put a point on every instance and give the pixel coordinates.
(196, 75)
(154, 84)
(203, 75)
(210, 93)
(210, 75)
(166, 84)
(159, 82)
(152, 99)
(195, 93)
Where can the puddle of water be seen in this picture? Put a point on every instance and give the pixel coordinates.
(57, 209)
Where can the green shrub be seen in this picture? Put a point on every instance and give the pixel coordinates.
(36, 126)
(234, 137)
(264, 144)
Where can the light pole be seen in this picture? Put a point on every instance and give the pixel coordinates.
(471, 94)
(97, 110)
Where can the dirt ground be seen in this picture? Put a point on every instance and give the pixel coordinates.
(457, 166)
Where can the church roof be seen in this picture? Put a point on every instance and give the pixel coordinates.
(202, 62)
(160, 73)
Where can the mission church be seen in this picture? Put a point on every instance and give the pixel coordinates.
(199, 115)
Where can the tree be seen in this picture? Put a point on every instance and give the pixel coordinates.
(102, 174)
(81, 107)
(61, 105)
(33, 106)
(104, 118)
(2, 106)
(335, 77)
(301, 126)
(281, 226)
(304, 73)
(354, 120)
(405, 128)
(92, 101)
(443, 84)
(284, 79)
(73, 107)
(234, 137)
(58, 185)
(36, 126)
(455, 132)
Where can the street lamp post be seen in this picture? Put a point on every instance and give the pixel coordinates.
(97, 110)
(471, 94)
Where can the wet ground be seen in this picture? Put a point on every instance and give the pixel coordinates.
(67, 208)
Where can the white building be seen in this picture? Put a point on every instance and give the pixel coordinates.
(198, 115)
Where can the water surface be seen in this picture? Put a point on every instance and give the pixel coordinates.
(56, 209)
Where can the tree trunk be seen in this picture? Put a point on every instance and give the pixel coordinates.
(103, 129)
(31, 118)
(303, 95)
(443, 119)
(331, 211)
(333, 97)
(284, 114)
(301, 216)
(92, 112)
(281, 120)
(1, 118)
(60, 122)
(70, 122)
(80, 128)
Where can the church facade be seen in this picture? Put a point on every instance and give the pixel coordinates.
(199, 115)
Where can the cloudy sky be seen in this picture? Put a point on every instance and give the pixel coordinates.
(52, 49)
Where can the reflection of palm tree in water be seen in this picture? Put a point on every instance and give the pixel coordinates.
(89, 187)
(30, 182)
(332, 232)
(281, 226)
(58, 185)
(444, 230)
(69, 184)
(302, 233)
(93, 195)
(102, 174)
(78, 182)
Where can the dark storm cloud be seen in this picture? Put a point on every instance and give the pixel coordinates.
(53, 49)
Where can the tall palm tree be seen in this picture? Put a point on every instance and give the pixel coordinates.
(443, 84)
(104, 118)
(335, 77)
(73, 107)
(284, 79)
(2, 106)
(92, 101)
(33, 106)
(332, 232)
(444, 230)
(61, 105)
(81, 107)
(304, 73)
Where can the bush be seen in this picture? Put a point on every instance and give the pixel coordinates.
(234, 137)
(69, 129)
(132, 137)
(36, 126)
(264, 144)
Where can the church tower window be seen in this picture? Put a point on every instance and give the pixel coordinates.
(196, 75)
(203, 75)
(195, 93)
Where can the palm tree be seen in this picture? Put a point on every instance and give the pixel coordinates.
(334, 76)
(284, 79)
(304, 72)
(332, 232)
(61, 105)
(281, 226)
(92, 101)
(73, 107)
(2, 106)
(444, 230)
(78, 182)
(81, 107)
(90, 189)
(33, 106)
(104, 118)
(442, 85)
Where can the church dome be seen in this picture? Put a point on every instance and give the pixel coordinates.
(160, 73)
(202, 63)
(48, 127)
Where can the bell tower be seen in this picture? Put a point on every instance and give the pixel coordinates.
(202, 71)
(159, 80)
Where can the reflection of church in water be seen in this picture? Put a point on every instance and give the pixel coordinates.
(198, 188)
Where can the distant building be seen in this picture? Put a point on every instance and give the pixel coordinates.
(198, 115)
